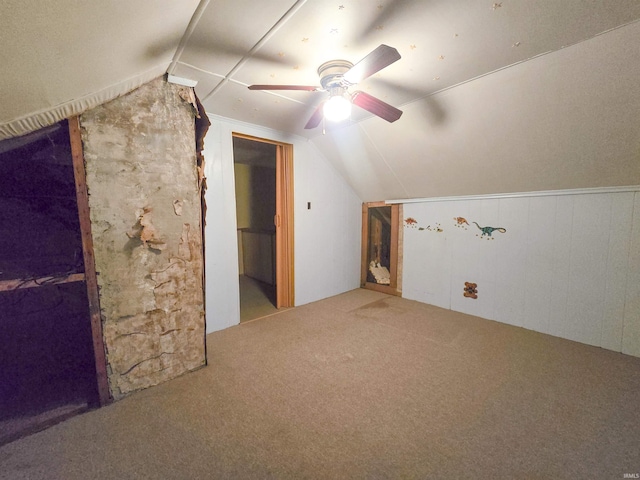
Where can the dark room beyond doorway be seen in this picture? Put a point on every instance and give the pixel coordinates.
(255, 182)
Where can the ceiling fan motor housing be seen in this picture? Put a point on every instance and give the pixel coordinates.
(331, 74)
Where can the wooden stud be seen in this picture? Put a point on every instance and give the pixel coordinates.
(17, 284)
(364, 245)
(394, 248)
(400, 250)
(91, 278)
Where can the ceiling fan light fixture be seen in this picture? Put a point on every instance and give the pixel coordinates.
(337, 108)
(336, 77)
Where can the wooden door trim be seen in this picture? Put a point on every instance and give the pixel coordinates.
(257, 139)
(91, 279)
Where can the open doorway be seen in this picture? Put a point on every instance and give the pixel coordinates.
(264, 213)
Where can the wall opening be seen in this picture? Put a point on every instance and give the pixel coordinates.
(381, 237)
(264, 217)
(47, 365)
(255, 181)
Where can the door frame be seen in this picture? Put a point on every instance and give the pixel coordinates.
(283, 220)
(395, 270)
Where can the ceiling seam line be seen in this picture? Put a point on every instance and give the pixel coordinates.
(383, 158)
(516, 64)
(202, 70)
(193, 23)
(285, 18)
(217, 75)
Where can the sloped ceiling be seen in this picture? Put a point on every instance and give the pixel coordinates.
(53, 53)
(500, 96)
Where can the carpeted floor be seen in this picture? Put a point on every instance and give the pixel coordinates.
(362, 385)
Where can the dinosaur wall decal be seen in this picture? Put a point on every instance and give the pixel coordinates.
(489, 230)
(460, 222)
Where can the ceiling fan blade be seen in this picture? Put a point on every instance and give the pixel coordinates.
(316, 117)
(309, 88)
(381, 57)
(376, 106)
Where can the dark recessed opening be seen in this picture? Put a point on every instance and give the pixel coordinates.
(47, 370)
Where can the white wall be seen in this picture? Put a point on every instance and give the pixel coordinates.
(567, 265)
(326, 237)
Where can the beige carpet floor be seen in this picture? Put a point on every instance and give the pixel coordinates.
(362, 385)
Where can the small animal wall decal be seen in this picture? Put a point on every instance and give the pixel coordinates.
(461, 222)
(435, 228)
(471, 290)
(410, 222)
(413, 223)
(489, 230)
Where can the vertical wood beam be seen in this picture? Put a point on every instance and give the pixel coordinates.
(399, 227)
(393, 270)
(91, 278)
(364, 245)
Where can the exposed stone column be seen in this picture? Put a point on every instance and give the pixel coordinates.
(145, 208)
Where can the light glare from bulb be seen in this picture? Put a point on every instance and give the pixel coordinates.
(337, 108)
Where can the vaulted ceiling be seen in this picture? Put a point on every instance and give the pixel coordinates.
(442, 42)
(498, 96)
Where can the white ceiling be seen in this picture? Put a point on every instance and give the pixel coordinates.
(442, 43)
(57, 52)
(557, 52)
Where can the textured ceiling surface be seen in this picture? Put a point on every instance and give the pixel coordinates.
(498, 96)
(442, 43)
(57, 52)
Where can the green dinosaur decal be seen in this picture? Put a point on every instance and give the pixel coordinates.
(489, 230)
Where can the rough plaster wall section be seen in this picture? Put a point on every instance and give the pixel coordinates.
(145, 214)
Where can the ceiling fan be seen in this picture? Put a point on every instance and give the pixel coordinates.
(336, 77)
